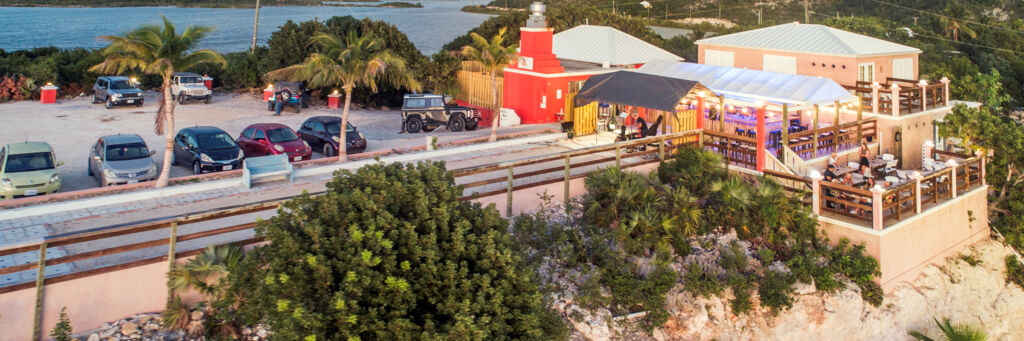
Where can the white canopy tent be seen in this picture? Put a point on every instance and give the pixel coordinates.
(753, 86)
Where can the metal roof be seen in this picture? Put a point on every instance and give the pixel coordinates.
(810, 38)
(603, 44)
(754, 85)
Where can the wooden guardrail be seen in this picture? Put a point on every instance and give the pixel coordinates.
(733, 148)
(621, 150)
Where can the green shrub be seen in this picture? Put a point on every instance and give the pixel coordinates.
(740, 304)
(701, 282)
(389, 252)
(1014, 271)
(767, 256)
(631, 292)
(62, 330)
(776, 290)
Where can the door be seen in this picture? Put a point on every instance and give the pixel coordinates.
(319, 137)
(903, 68)
(259, 146)
(100, 89)
(94, 163)
(866, 72)
(192, 151)
(244, 140)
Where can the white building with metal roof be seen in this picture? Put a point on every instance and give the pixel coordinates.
(606, 46)
(813, 50)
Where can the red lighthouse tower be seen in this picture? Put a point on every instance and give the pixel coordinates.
(535, 85)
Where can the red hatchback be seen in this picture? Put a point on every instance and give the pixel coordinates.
(263, 139)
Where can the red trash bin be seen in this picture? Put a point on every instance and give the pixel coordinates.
(268, 92)
(208, 81)
(48, 94)
(334, 100)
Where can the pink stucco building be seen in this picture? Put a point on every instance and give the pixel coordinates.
(812, 50)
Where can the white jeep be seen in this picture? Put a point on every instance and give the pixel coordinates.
(187, 85)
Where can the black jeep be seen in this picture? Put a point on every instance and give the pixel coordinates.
(426, 112)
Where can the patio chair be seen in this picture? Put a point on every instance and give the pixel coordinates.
(901, 174)
(853, 165)
(890, 163)
(892, 180)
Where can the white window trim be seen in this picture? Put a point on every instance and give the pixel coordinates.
(874, 72)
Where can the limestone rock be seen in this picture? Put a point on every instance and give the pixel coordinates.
(129, 328)
(93, 337)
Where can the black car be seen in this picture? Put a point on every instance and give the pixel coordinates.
(321, 132)
(116, 90)
(207, 149)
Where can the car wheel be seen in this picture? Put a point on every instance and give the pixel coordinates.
(138, 104)
(457, 123)
(328, 150)
(181, 98)
(196, 169)
(95, 99)
(206, 100)
(110, 103)
(472, 125)
(413, 124)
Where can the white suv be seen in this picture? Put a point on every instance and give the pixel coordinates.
(187, 85)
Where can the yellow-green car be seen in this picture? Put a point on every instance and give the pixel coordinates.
(28, 169)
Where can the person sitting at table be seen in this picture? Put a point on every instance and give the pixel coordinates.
(830, 173)
(833, 159)
(865, 154)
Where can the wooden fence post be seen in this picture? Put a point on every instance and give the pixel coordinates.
(816, 192)
(952, 177)
(814, 128)
(618, 156)
(508, 204)
(917, 191)
(37, 324)
(876, 208)
(567, 167)
(172, 244)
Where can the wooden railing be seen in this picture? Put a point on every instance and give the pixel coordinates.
(831, 137)
(794, 184)
(736, 149)
(910, 98)
(900, 202)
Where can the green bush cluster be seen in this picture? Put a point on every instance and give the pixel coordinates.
(389, 252)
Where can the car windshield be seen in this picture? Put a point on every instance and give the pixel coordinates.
(281, 135)
(334, 128)
(189, 80)
(28, 162)
(120, 85)
(128, 151)
(216, 141)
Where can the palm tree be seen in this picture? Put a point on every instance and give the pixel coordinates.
(954, 26)
(359, 60)
(493, 55)
(156, 50)
(202, 274)
(954, 332)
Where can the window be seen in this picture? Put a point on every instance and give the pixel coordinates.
(437, 103)
(416, 103)
(2, 152)
(780, 64)
(903, 68)
(248, 133)
(120, 85)
(718, 58)
(191, 141)
(866, 72)
(98, 148)
(128, 151)
(216, 141)
(259, 135)
(181, 139)
(335, 128)
(281, 135)
(191, 79)
(318, 127)
(28, 162)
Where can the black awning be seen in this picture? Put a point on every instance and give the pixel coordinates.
(635, 89)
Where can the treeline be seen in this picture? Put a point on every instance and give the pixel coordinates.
(287, 46)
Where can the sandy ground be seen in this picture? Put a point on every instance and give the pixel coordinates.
(71, 127)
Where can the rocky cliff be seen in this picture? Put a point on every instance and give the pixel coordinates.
(976, 294)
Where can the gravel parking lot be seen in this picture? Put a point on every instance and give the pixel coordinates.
(71, 127)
